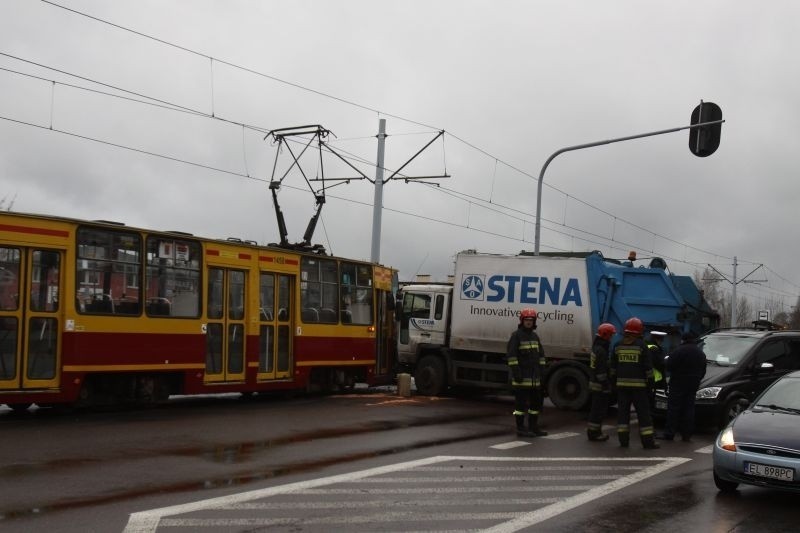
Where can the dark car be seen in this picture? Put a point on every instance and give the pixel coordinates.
(761, 446)
(741, 363)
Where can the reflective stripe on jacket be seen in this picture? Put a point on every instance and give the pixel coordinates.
(630, 364)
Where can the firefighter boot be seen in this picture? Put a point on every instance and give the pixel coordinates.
(533, 426)
(649, 442)
(596, 435)
(521, 431)
(624, 439)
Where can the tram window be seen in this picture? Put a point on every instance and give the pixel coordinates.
(356, 292)
(42, 348)
(266, 297)
(108, 272)
(236, 289)
(45, 281)
(8, 347)
(215, 294)
(284, 298)
(9, 278)
(172, 283)
(319, 290)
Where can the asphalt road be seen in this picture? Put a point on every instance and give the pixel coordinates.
(360, 462)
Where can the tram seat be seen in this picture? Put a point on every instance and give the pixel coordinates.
(100, 304)
(347, 316)
(309, 314)
(158, 307)
(327, 315)
(128, 307)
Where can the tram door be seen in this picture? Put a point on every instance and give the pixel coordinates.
(30, 316)
(225, 331)
(274, 333)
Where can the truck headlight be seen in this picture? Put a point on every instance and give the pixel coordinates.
(708, 393)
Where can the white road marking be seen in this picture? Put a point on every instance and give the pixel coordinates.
(509, 445)
(480, 479)
(149, 521)
(705, 449)
(557, 436)
(382, 504)
(540, 468)
(383, 516)
(446, 490)
(550, 511)
(518, 443)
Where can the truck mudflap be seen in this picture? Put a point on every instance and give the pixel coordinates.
(567, 384)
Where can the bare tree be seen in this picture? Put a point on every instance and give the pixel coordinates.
(794, 316)
(744, 312)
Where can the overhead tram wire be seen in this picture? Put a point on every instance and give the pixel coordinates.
(323, 94)
(170, 106)
(344, 101)
(239, 67)
(250, 177)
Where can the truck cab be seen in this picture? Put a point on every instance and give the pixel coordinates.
(424, 312)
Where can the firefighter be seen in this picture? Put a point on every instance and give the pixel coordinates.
(631, 369)
(659, 372)
(599, 383)
(525, 358)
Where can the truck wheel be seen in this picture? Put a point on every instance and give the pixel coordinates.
(429, 376)
(568, 388)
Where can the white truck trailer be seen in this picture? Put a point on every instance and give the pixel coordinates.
(455, 335)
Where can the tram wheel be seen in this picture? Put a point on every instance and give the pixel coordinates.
(19, 407)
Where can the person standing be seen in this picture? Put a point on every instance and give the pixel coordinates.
(525, 358)
(631, 369)
(687, 367)
(659, 371)
(599, 383)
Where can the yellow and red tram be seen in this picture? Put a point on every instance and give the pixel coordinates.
(96, 312)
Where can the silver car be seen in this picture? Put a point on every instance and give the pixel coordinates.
(761, 446)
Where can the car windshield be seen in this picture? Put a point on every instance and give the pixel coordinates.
(726, 349)
(784, 395)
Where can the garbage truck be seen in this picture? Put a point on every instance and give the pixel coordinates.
(453, 335)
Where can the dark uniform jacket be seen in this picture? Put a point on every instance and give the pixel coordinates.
(631, 365)
(687, 364)
(525, 352)
(598, 366)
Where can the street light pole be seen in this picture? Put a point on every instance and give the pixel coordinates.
(590, 145)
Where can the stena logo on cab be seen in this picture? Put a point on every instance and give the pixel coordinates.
(521, 289)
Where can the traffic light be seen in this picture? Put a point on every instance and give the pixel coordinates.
(704, 141)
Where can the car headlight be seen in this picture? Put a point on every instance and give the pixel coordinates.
(707, 393)
(726, 441)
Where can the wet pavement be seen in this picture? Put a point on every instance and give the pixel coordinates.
(98, 471)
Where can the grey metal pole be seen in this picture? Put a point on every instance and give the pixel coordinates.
(377, 203)
(734, 318)
(589, 145)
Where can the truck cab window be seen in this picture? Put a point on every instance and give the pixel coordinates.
(417, 305)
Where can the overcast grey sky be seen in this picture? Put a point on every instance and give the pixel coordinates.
(510, 82)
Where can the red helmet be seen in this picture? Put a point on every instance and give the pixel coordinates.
(527, 313)
(606, 331)
(634, 326)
